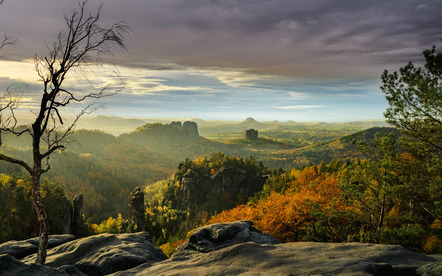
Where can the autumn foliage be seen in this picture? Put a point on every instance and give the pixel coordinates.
(312, 194)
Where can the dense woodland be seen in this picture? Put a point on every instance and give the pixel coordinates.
(328, 182)
(362, 191)
(106, 168)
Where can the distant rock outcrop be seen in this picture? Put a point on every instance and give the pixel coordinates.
(136, 209)
(158, 134)
(251, 134)
(190, 128)
(176, 125)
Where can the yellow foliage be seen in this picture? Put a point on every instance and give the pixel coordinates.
(111, 225)
(200, 161)
(167, 249)
(433, 245)
(4, 179)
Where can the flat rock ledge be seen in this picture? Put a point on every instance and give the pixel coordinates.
(20, 249)
(235, 248)
(95, 255)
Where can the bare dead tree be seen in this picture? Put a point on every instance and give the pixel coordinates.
(7, 39)
(82, 44)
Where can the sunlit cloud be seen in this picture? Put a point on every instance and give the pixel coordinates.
(298, 106)
(233, 77)
(18, 71)
(165, 88)
(26, 99)
(299, 95)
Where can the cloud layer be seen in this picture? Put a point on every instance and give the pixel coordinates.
(278, 55)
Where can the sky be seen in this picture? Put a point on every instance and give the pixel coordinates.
(283, 60)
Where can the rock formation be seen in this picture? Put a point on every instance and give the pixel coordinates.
(187, 128)
(77, 206)
(12, 267)
(103, 254)
(251, 134)
(176, 124)
(220, 235)
(136, 209)
(202, 191)
(20, 249)
(237, 248)
(191, 129)
(220, 249)
(70, 217)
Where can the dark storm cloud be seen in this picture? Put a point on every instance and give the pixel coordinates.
(289, 37)
(276, 37)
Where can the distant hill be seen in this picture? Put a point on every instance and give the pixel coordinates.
(119, 125)
(106, 168)
(110, 124)
(233, 127)
(250, 123)
(341, 148)
(368, 124)
(103, 168)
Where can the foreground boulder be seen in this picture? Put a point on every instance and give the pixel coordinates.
(12, 267)
(20, 249)
(235, 248)
(238, 248)
(220, 235)
(302, 258)
(104, 254)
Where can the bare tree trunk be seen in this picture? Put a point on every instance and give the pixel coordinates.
(73, 48)
(42, 219)
(382, 214)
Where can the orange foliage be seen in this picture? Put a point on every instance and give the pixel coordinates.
(287, 215)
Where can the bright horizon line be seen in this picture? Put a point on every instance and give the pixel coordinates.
(29, 117)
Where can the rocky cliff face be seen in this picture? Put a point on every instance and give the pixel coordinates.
(235, 248)
(222, 189)
(167, 131)
(191, 129)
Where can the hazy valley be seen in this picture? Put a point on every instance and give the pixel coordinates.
(106, 168)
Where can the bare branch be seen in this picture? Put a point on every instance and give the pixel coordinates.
(15, 161)
(51, 150)
(84, 43)
(7, 40)
(8, 104)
